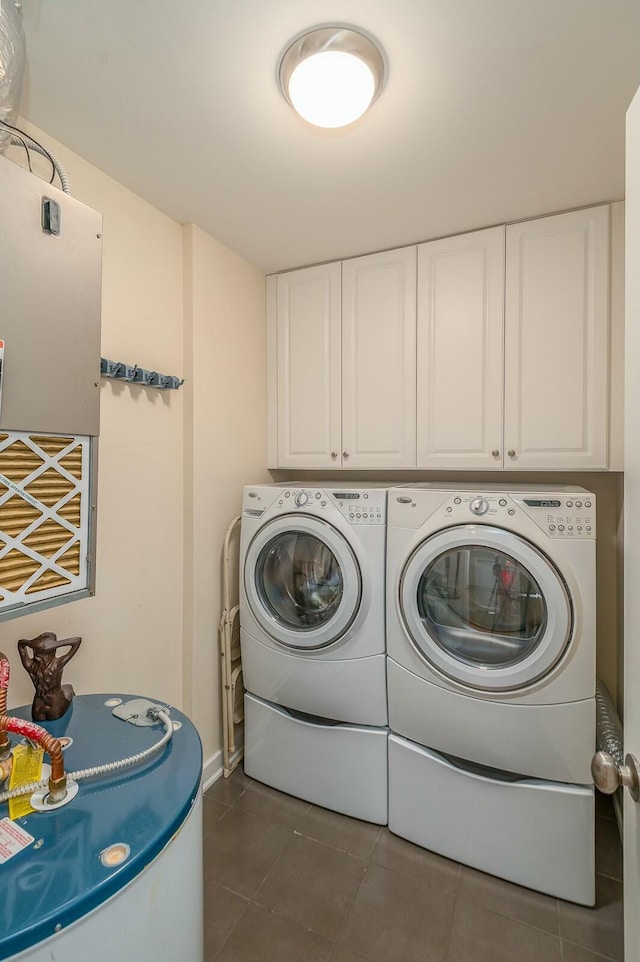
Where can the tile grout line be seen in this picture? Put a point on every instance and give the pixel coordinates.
(231, 930)
(351, 904)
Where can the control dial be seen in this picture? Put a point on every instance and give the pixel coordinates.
(479, 506)
(301, 498)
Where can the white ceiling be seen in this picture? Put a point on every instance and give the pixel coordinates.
(494, 110)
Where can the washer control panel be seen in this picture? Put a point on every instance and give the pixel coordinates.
(359, 506)
(561, 516)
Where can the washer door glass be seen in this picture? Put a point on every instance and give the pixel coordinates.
(299, 580)
(485, 607)
(302, 581)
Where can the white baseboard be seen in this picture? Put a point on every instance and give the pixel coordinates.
(211, 770)
(213, 767)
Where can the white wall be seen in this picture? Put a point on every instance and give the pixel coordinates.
(225, 444)
(171, 464)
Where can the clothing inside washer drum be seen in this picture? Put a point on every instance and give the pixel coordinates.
(299, 580)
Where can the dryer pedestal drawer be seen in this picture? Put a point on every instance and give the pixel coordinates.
(340, 767)
(536, 833)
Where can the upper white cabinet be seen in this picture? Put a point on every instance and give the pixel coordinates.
(378, 360)
(483, 351)
(460, 351)
(557, 341)
(342, 380)
(305, 329)
(513, 346)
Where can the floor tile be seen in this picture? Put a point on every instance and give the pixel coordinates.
(509, 900)
(340, 832)
(227, 790)
(608, 848)
(575, 953)
(262, 800)
(340, 954)
(241, 849)
(478, 935)
(222, 910)
(212, 812)
(261, 936)
(398, 919)
(313, 885)
(397, 854)
(599, 929)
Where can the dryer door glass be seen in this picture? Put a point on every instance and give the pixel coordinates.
(482, 607)
(485, 607)
(299, 580)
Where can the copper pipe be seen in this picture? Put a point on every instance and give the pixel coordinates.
(5, 671)
(51, 745)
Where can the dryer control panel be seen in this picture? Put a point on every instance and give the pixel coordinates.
(559, 516)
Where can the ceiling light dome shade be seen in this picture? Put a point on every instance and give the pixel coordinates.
(331, 75)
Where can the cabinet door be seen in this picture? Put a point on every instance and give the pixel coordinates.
(308, 367)
(556, 341)
(378, 360)
(460, 351)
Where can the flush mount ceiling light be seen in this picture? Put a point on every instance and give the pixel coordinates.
(331, 75)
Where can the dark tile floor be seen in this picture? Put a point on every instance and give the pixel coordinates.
(288, 882)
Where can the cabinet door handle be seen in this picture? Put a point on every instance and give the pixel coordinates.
(334, 455)
(345, 455)
(511, 453)
(495, 453)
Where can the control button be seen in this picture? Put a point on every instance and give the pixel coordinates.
(280, 501)
(323, 504)
(588, 527)
(502, 502)
(560, 527)
(287, 494)
(587, 504)
(479, 506)
(358, 515)
(301, 498)
(578, 504)
(365, 515)
(457, 500)
(318, 495)
(449, 509)
(365, 496)
(570, 527)
(511, 512)
(351, 514)
(552, 527)
(569, 504)
(579, 528)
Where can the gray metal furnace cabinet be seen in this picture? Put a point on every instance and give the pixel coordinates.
(50, 289)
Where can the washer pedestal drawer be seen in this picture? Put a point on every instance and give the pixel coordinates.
(536, 833)
(338, 766)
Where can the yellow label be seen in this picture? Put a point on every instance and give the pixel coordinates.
(27, 768)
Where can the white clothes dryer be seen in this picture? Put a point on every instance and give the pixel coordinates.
(312, 598)
(491, 676)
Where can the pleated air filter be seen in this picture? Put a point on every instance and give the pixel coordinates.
(44, 517)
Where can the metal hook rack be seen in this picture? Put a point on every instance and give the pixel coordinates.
(139, 375)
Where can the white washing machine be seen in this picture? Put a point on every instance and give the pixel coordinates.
(312, 630)
(491, 678)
